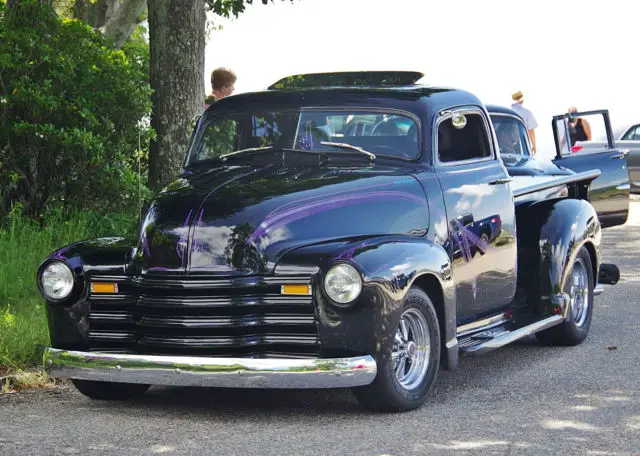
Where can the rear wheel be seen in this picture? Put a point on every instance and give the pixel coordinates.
(109, 391)
(579, 287)
(407, 371)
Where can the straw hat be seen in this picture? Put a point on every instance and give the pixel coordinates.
(517, 97)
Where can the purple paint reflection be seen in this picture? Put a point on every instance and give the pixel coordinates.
(291, 215)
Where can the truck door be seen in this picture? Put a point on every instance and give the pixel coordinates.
(480, 212)
(609, 193)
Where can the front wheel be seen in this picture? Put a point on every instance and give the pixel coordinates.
(579, 287)
(109, 391)
(407, 370)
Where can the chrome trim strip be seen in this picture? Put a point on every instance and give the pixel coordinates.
(207, 282)
(626, 186)
(504, 114)
(107, 278)
(483, 324)
(211, 372)
(598, 289)
(512, 336)
(115, 299)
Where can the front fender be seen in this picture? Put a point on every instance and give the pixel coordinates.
(108, 255)
(389, 266)
(68, 320)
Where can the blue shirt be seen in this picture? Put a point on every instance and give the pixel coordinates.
(529, 119)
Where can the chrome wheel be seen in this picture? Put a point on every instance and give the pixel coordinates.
(411, 349)
(579, 292)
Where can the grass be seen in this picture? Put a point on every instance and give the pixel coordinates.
(21, 380)
(23, 246)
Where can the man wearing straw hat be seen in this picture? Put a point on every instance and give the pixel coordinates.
(529, 119)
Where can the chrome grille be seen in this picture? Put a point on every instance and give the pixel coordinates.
(245, 317)
(112, 324)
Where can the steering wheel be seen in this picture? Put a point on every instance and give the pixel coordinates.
(352, 128)
(383, 122)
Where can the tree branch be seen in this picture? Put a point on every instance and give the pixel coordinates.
(121, 25)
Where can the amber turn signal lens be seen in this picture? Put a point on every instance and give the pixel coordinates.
(296, 289)
(104, 287)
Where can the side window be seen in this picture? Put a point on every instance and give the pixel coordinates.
(218, 139)
(633, 134)
(466, 140)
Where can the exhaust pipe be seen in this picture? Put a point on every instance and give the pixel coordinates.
(609, 274)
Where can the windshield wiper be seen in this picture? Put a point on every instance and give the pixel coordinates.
(242, 151)
(349, 146)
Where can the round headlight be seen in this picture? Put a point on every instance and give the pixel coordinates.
(343, 283)
(56, 280)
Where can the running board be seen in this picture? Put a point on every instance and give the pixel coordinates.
(492, 339)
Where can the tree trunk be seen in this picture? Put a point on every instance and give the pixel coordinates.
(95, 13)
(121, 25)
(177, 42)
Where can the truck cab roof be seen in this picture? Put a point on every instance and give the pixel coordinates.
(397, 89)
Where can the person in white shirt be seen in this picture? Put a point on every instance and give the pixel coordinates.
(529, 119)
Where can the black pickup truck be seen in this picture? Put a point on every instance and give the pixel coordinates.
(336, 230)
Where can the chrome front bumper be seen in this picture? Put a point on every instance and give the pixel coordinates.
(210, 372)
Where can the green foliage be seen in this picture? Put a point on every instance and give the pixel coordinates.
(228, 8)
(73, 114)
(23, 246)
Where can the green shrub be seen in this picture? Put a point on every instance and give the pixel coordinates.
(24, 243)
(73, 115)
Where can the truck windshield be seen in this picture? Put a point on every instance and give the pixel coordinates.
(512, 135)
(383, 134)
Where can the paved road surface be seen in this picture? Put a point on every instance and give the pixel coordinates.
(522, 399)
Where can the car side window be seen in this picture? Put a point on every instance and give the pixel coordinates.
(633, 134)
(219, 138)
(463, 137)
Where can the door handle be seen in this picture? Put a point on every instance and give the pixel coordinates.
(617, 157)
(502, 180)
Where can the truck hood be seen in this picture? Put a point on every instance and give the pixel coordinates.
(237, 220)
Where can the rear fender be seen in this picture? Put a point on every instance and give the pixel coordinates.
(389, 266)
(552, 243)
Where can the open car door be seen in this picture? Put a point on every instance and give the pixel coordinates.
(609, 193)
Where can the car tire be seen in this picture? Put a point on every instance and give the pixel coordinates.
(400, 389)
(109, 391)
(576, 326)
(485, 238)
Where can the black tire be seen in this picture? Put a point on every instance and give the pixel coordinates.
(576, 327)
(485, 238)
(386, 393)
(109, 391)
